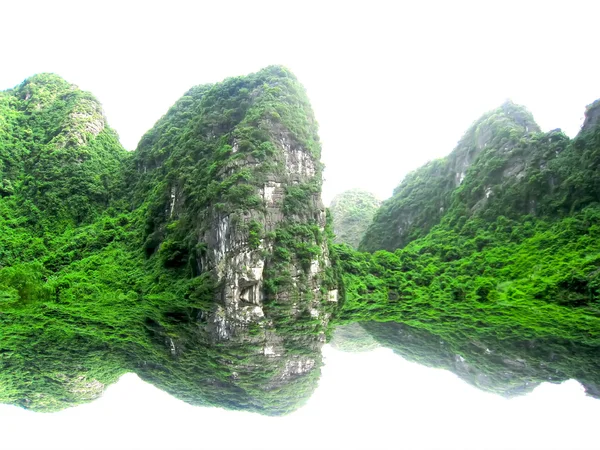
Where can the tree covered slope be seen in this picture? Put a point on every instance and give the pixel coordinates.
(512, 265)
(203, 261)
(59, 160)
(199, 261)
(426, 195)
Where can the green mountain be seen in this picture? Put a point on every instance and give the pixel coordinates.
(490, 148)
(199, 261)
(59, 160)
(203, 261)
(352, 212)
(505, 259)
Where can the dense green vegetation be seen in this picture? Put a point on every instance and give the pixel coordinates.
(203, 262)
(104, 255)
(512, 266)
(425, 195)
(352, 212)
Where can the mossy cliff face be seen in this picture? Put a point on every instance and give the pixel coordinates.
(208, 276)
(425, 195)
(509, 277)
(244, 176)
(232, 180)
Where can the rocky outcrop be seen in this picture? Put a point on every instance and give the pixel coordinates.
(592, 116)
(250, 217)
(239, 265)
(84, 123)
(425, 195)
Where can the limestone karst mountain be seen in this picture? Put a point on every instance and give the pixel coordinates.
(204, 260)
(425, 195)
(200, 261)
(503, 260)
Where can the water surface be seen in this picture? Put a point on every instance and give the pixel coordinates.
(369, 399)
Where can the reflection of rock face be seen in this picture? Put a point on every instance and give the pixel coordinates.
(506, 368)
(239, 268)
(265, 248)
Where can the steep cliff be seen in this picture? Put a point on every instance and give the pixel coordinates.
(425, 195)
(208, 276)
(233, 194)
(511, 263)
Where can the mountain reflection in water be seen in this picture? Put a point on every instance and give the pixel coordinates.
(372, 399)
(505, 367)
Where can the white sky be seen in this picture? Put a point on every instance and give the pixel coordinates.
(372, 400)
(393, 84)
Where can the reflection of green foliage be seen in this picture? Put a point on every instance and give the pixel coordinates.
(97, 280)
(514, 289)
(507, 367)
(516, 272)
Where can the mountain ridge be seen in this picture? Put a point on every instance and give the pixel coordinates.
(204, 260)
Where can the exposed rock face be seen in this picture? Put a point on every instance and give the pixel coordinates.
(86, 119)
(239, 267)
(249, 215)
(425, 195)
(592, 116)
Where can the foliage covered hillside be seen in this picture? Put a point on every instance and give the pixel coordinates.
(59, 162)
(425, 195)
(202, 261)
(97, 280)
(512, 269)
(61, 177)
(352, 212)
